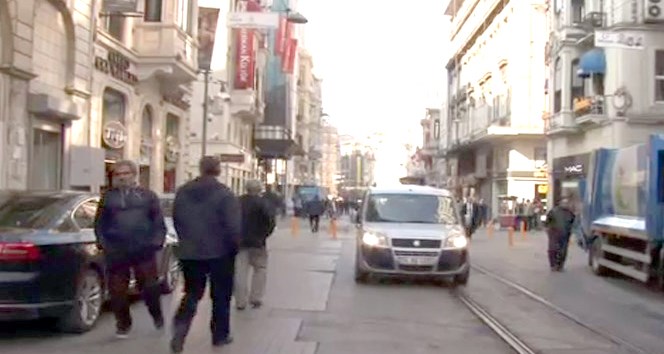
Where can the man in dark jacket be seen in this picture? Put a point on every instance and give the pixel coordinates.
(258, 222)
(472, 216)
(559, 222)
(315, 208)
(130, 229)
(206, 215)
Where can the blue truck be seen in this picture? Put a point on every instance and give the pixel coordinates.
(622, 221)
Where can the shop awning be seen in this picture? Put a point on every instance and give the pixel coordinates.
(592, 62)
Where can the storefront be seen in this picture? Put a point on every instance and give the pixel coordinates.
(569, 178)
(171, 152)
(114, 132)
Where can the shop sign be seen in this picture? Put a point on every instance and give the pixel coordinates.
(573, 169)
(114, 135)
(172, 149)
(116, 65)
(231, 158)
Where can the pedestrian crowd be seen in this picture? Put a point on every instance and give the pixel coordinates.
(221, 239)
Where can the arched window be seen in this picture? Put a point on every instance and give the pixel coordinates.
(557, 85)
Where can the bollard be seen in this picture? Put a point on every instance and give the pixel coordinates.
(295, 226)
(489, 230)
(523, 230)
(333, 228)
(510, 236)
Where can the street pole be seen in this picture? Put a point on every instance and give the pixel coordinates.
(206, 80)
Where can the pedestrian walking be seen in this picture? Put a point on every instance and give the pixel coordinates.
(130, 229)
(206, 215)
(470, 210)
(258, 223)
(559, 223)
(315, 208)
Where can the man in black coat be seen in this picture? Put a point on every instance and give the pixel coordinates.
(206, 215)
(130, 229)
(258, 223)
(472, 216)
(559, 222)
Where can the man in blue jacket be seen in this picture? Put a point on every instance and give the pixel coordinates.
(206, 215)
(130, 229)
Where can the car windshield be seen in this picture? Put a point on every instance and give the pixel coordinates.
(411, 208)
(30, 212)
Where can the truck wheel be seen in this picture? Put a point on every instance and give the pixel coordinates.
(87, 306)
(594, 257)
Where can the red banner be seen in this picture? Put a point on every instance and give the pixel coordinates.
(292, 53)
(245, 60)
(280, 35)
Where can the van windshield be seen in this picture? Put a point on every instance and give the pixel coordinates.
(411, 208)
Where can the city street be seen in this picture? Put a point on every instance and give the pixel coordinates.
(314, 306)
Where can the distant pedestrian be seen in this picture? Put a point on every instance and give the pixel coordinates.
(258, 223)
(470, 211)
(130, 229)
(315, 208)
(206, 215)
(559, 223)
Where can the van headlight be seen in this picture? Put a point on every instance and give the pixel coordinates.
(374, 240)
(456, 240)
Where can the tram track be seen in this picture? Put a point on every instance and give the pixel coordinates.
(511, 339)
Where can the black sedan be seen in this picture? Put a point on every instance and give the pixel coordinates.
(50, 266)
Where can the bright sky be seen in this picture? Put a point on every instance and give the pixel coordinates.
(382, 63)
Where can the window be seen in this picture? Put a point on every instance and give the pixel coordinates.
(659, 76)
(184, 15)
(114, 20)
(540, 157)
(557, 85)
(152, 11)
(30, 212)
(84, 215)
(46, 162)
(578, 83)
(578, 11)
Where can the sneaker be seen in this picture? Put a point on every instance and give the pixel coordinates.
(256, 304)
(122, 333)
(177, 345)
(240, 308)
(226, 341)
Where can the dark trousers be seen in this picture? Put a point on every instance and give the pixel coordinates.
(558, 242)
(147, 277)
(196, 272)
(314, 222)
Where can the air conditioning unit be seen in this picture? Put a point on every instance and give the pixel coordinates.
(594, 19)
(653, 11)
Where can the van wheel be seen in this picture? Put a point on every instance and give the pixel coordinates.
(87, 306)
(462, 279)
(595, 255)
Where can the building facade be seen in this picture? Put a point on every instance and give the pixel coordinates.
(45, 90)
(330, 158)
(606, 82)
(85, 84)
(309, 119)
(236, 99)
(495, 145)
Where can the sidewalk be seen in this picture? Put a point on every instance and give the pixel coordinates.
(616, 305)
(300, 274)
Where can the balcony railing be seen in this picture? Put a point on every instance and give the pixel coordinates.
(589, 106)
(155, 40)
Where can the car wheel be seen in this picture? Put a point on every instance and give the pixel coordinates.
(361, 276)
(462, 279)
(87, 306)
(171, 276)
(595, 255)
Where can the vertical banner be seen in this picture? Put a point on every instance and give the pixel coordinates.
(207, 27)
(292, 53)
(280, 35)
(245, 60)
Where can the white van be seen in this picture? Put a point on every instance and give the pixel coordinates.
(412, 231)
